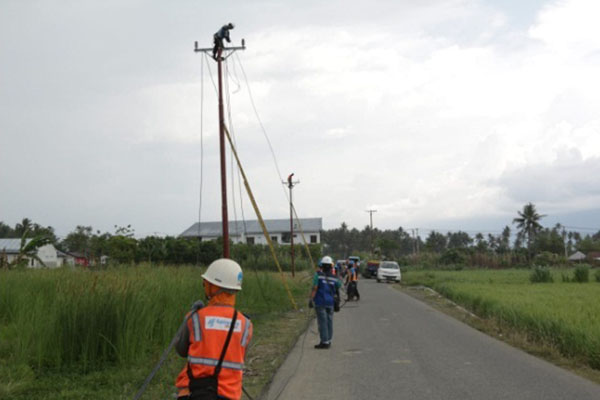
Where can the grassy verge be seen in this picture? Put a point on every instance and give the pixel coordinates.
(558, 321)
(96, 335)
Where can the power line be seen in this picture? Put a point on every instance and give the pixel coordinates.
(201, 155)
(264, 131)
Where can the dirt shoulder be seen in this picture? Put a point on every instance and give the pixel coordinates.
(273, 341)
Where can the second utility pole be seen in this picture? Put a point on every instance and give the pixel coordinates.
(371, 218)
(291, 185)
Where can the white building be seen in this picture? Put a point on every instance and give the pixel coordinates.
(47, 253)
(251, 231)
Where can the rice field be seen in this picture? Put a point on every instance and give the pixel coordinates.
(563, 315)
(79, 322)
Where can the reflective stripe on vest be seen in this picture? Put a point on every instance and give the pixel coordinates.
(211, 362)
(196, 323)
(245, 335)
(328, 279)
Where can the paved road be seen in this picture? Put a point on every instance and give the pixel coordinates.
(391, 346)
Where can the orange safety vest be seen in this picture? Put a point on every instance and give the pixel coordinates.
(354, 275)
(208, 329)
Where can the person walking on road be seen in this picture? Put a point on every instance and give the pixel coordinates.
(323, 297)
(215, 339)
(352, 282)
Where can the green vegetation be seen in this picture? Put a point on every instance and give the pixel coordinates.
(64, 333)
(541, 275)
(582, 274)
(565, 316)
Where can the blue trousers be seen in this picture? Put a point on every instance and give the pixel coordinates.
(325, 322)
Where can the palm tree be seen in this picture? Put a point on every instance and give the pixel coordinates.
(22, 227)
(528, 224)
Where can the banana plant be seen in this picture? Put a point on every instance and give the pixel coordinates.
(29, 248)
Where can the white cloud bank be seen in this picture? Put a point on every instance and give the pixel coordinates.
(428, 112)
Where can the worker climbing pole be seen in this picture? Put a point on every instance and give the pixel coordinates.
(219, 54)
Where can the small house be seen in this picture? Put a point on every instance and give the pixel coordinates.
(47, 254)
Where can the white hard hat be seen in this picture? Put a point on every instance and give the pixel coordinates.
(224, 273)
(326, 260)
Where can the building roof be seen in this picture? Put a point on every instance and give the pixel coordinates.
(236, 228)
(594, 255)
(577, 256)
(11, 245)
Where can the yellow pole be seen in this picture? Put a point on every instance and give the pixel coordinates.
(260, 218)
(304, 240)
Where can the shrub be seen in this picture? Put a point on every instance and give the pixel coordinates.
(582, 274)
(597, 275)
(453, 256)
(540, 275)
(547, 258)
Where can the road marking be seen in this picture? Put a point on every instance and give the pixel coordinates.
(401, 362)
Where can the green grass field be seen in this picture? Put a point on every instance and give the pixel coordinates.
(71, 334)
(563, 315)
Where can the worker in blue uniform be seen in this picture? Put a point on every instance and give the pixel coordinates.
(222, 34)
(323, 296)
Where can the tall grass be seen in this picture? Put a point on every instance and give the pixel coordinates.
(565, 315)
(52, 319)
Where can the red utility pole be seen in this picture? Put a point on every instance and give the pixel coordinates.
(220, 58)
(224, 217)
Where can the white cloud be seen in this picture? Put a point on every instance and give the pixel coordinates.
(425, 111)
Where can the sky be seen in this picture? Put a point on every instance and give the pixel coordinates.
(439, 114)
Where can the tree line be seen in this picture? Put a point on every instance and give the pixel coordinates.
(529, 244)
(122, 247)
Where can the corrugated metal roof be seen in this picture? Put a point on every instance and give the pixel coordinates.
(236, 228)
(11, 245)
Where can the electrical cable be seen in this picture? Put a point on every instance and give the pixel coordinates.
(238, 170)
(309, 317)
(264, 131)
(288, 380)
(228, 103)
(201, 156)
(211, 75)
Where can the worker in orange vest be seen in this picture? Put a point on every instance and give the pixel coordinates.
(352, 282)
(215, 339)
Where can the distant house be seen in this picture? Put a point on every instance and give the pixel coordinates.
(593, 257)
(251, 232)
(48, 253)
(577, 256)
(72, 258)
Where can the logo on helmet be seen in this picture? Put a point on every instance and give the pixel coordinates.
(240, 276)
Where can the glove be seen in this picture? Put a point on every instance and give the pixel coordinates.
(311, 304)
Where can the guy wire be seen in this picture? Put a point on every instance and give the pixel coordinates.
(228, 101)
(264, 131)
(201, 156)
